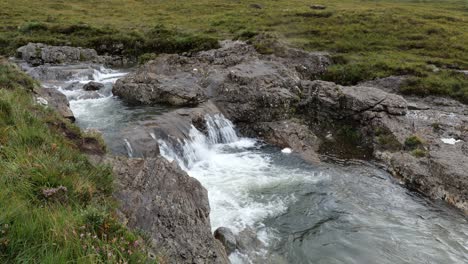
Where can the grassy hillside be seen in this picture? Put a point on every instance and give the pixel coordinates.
(77, 223)
(369, 39)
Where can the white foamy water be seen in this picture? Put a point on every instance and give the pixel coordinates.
(238, 177)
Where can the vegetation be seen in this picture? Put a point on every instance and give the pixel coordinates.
(413, 142)
(368, 39)
(419, 153)
(56, 207)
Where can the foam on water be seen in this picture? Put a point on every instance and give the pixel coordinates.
(236, 172)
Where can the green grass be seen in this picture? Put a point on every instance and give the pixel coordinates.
(78, 228)
(369, 39)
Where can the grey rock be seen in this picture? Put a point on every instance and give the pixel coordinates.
(93, 86)
(38, 54)
(248, 242)
(233, 72)
(157, 197)
(56, 100)
(289, 134)
(227, 238)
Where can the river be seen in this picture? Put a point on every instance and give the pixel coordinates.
(335, 212)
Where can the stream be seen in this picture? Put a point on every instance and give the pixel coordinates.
(335, 212)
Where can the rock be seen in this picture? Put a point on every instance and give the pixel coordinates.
(318, 7)
(58, 194)
(160, 199)
(54, 98)
(227, 238)
(276, 97)
(248, 242)
(93, 86)
(289, 134)
(146, 87)
(233, 72)
(331, 100)
(38, 54)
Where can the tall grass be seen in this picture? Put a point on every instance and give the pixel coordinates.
(77, 226)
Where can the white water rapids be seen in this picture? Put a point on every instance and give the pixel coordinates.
(331, 213)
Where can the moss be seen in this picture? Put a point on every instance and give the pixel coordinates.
(436, 126)
(419, 153)
(413, 142)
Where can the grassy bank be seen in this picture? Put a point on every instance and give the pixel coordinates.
(76, 223)
(369, 39)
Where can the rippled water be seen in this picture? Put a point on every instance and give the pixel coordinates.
(340, 212)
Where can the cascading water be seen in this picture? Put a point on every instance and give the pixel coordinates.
(354, 213)
(331, 213)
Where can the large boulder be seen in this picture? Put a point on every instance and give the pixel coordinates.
(157, 197)
(50, 97)
(93, 86)
(235, 73)
(38, 54)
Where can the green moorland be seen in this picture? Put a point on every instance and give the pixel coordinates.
(76, 226)
(368, 39)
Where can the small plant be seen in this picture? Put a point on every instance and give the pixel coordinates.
(419, 153)
(413, 142)
(144, 58)
(436, 126)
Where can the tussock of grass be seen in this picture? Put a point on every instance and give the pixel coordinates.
(35, 228)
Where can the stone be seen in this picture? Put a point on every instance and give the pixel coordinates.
(160, 199)
(38, 54)
(58, 194)
(93, 86)
(248, 242)
(54, 98)
(227, 238)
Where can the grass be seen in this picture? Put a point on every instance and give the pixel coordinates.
(78, 226)
(413, 142)
(368, 39)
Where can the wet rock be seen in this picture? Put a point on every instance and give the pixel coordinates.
(160, 199)
(93, 86)
(289, 134)
(172, 127)
(55, 99)
(248, 242)
(227, 238)
(38, 54)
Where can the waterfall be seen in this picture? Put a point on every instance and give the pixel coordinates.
(220, 130)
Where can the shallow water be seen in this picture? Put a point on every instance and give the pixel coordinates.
(346, 212)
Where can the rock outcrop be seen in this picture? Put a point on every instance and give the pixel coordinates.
(157, 197)
(55, 99)
(37, 54)
(276, 98)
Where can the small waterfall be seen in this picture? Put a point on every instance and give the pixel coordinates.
(129, 148)
(220, 130)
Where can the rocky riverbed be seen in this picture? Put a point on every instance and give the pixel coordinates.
(221, 94)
